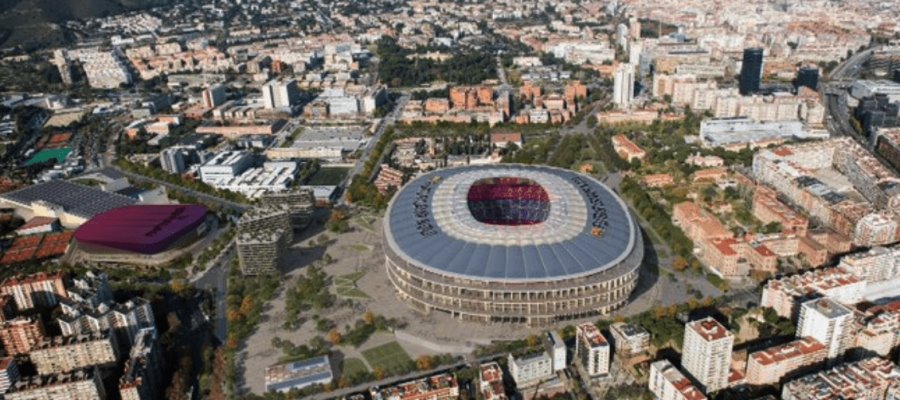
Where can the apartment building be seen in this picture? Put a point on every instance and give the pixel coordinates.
(629, 340)
(785, 295)
(770, 366)
(768, 209)
(38, 290)
(59, 354)
(868, 379)
(301, 204)
(876, 265)
(556, 347)
(707, 353)
(84, 384)
(530, 370)
(490, 382)
(592, 349)
(829, 322)
(89, 308)
(264, 235)
(142, 377)
(9, 373)
(21, 334)
(666, 382)
(436, 387)
(878, 329)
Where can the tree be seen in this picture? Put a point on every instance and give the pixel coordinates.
(533, 341)
(247, 306)
(679, 264)
(379, 373)
(369, 318)
(425, 363)
(335, 337)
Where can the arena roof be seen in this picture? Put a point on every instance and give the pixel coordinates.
(588, 229)
(147, 229)
(75, 199)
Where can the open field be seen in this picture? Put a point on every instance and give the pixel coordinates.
(388, 357)
(328, 176)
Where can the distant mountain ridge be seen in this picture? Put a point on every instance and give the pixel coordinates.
(63, 10)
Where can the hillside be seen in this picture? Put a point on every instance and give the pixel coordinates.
(32, 22)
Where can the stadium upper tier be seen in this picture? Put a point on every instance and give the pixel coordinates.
(510, 223)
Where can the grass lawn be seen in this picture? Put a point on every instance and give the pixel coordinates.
(353, 366)
(390, 357)
(345, 285)
(328, 176)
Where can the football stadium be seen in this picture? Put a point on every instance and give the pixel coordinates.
(142, 234)
(511, 244)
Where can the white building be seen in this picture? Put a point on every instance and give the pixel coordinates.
(668, 383)
(280, 94)
(530, 370)
(827, 321)
(214, 96)
(225, 165)
(557, 349)
(707, 353)
(623, 89)
(592, 349)
(875, 265)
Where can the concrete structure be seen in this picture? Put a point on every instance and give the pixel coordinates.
(751, 71)
(71, 203)
(9, 373)
(770, 366)
(629, 340)
(436, 387)
(83, 316)
(299, 374)
(876, 265)
(868, 379)
(39, 290)
(530, 370)
(21, 334)
(280, 94)
(592, 349)
(707, 353)
(829, 322)
(487, 244)
(878, 329)
(85, 384)
(786, 294)
(301, 204)
(666, 382)
(623, 85)
(214, 96)
(490, 382)
(736, 133)
(225, 165)
(556, 347)
(60, 354)
(264, 235)
(142, 375)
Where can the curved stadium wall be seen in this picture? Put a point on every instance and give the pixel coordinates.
(511, 243)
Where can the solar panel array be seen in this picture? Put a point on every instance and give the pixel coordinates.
(75, 199)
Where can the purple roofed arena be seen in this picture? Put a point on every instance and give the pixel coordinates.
(143, 229)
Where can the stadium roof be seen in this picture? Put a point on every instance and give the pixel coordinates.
(147, 229)
(75, 199)
(588, 228)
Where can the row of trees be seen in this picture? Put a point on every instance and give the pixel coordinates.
(195, 185)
